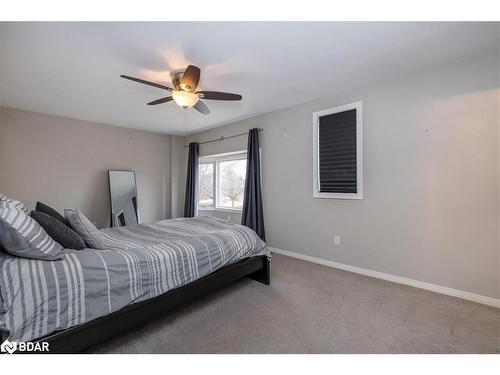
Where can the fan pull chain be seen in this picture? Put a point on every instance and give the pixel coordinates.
(185, 122)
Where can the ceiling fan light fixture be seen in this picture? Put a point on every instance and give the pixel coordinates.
(185, 99)
(185, 92)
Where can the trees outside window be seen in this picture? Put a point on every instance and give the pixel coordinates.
(206, 189)
(232, 183)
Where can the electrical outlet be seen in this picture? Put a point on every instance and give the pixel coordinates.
(336, 240)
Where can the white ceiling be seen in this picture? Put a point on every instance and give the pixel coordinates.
(72, 69)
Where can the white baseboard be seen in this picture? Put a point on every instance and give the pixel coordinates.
(495, 302)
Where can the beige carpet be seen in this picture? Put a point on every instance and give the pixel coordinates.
(311, 308)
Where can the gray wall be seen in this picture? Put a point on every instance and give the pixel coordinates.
(64, 163)
(232, 217)
(178, 165)
(431, 178)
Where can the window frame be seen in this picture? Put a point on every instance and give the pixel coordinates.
(216, 160)
(358, 106)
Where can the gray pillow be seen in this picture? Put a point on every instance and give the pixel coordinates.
(84, 227)
(41, 207)
(60, 232)
(22, 236)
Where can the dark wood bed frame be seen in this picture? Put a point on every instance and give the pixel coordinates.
(81, 337)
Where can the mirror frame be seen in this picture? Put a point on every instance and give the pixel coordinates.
(111, 200)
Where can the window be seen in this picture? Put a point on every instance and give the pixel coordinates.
(231, 183)
(222, 181)
(337, 148)
(206, 188)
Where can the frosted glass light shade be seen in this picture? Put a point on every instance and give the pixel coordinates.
(185, 99)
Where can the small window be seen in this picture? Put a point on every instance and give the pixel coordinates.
(337, 158)
(222, 181)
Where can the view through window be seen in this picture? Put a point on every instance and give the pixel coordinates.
(232, 183)
(222, 181)
(206, 190)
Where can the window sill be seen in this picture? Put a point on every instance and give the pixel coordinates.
(234, 210)
(355, 196)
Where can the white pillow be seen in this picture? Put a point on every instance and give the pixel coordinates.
(13, 203)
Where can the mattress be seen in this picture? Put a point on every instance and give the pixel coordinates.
(138, 263)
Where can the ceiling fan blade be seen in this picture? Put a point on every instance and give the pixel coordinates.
(202, 107)
(217, 95)
(147, 82)
(162, 100)
(190, 78)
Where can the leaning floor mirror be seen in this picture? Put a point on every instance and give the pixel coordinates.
(123, 194)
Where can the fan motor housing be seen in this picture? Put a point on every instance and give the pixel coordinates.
(176, 81)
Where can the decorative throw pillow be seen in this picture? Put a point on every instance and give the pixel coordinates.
(60, 232)
(13, 203)
(41, 207)
(22, 236)
(84, 227)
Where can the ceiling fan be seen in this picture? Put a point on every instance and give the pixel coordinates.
(184, 92)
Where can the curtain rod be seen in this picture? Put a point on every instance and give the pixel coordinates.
(223, 138)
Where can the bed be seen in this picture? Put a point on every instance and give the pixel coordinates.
(145, 270)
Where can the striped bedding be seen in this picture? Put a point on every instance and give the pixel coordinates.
(140, 262)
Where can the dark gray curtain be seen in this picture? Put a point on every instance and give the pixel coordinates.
(191, 180)
(253, 214)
